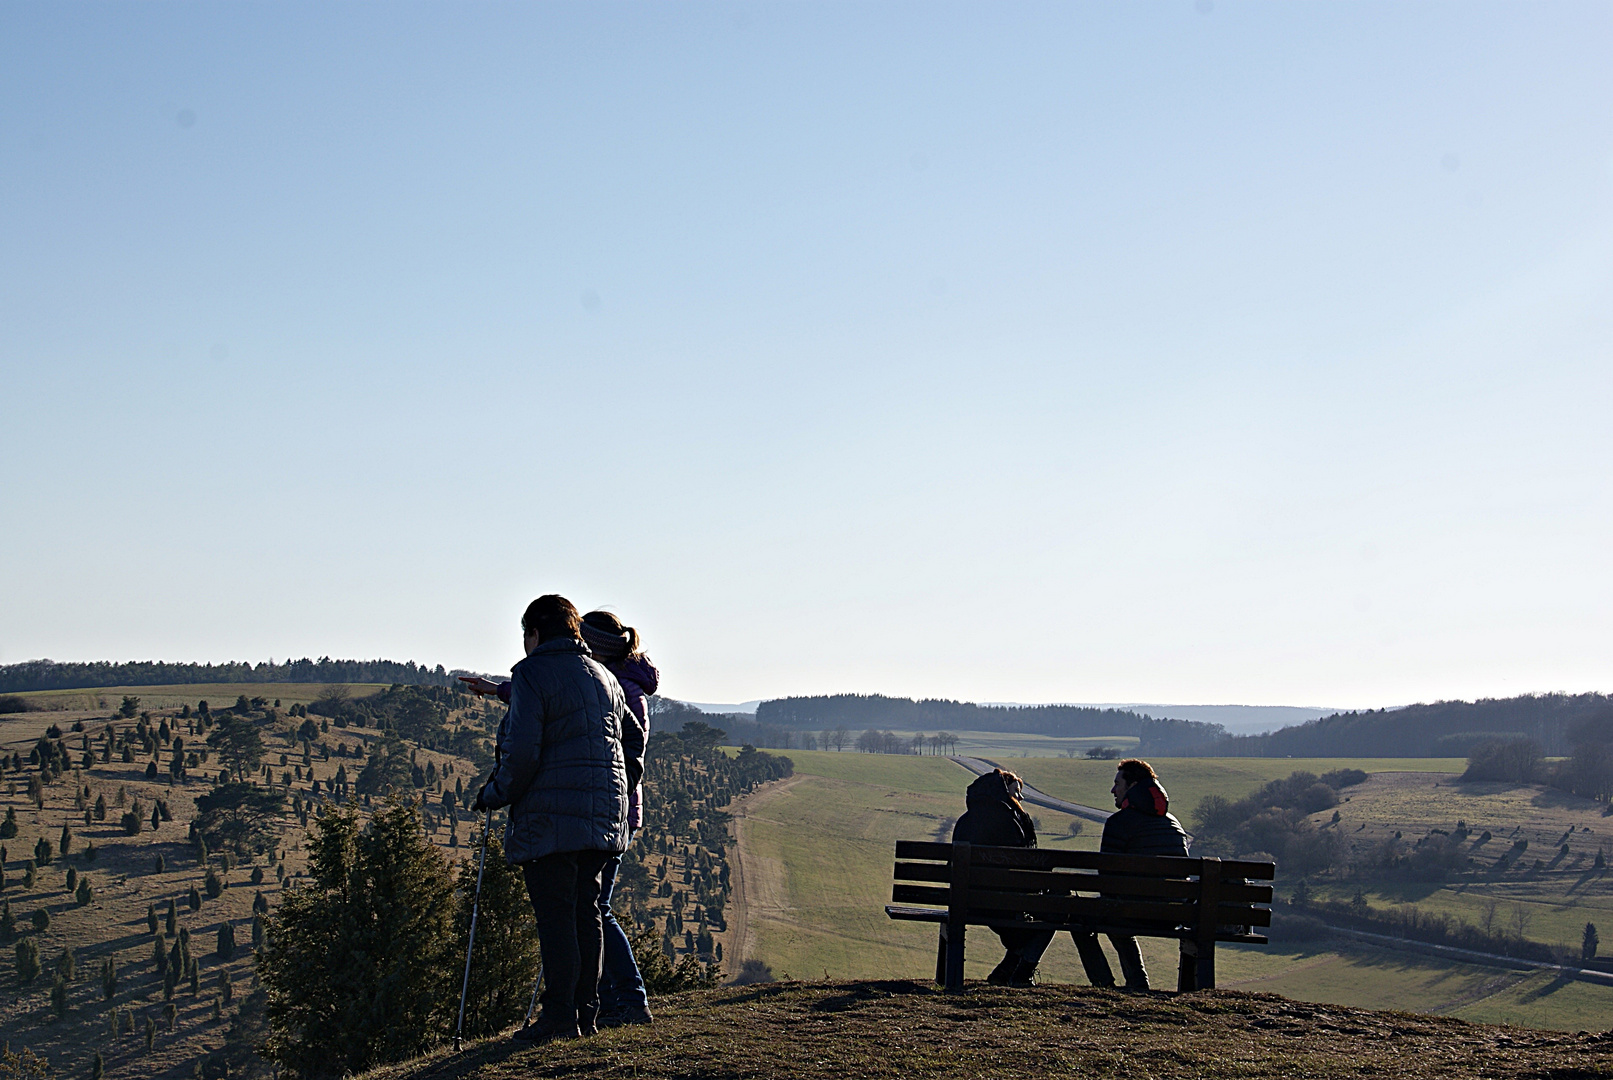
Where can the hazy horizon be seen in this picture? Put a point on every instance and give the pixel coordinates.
(1183, 351)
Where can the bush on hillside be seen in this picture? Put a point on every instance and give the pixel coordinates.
(1513, 761)
(370, 936)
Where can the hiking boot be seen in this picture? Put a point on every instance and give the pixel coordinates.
(547, 1030)
(1024, 975)
(624, 1015)
(1003, 972)
(587, 1020)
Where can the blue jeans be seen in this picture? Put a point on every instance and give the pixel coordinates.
(620, 985)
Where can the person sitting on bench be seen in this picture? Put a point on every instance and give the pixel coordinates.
(1142, 825)
(996, 817)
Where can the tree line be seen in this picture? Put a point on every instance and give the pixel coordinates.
(876, 712)
(35, 675)
(1443, 729)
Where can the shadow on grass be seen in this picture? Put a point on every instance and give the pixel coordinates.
(1548, 989)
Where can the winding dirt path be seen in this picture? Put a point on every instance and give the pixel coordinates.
(736, 939)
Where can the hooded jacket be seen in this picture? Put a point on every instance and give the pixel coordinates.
(994, 817)
(639, 680)
(1144, 824)
(570, 751)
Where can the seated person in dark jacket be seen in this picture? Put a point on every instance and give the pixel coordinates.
(1142, 826)
(995, 817)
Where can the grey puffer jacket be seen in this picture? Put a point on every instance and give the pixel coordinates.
(570, 751)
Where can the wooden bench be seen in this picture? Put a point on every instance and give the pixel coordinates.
(1196, 901)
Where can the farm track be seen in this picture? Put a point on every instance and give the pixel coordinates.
(747, 872)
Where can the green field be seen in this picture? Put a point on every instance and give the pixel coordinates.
(101, 698)
(818, 855)
(1190, 779)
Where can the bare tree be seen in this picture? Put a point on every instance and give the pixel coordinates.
(1487, 914)
(1521, 918)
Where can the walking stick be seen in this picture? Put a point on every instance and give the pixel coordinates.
(534, 1002)
(475, 910)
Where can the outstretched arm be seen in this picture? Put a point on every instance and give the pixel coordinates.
(520, 747)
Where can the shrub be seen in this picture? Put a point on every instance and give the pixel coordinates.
(194, 899)
(753, 971)
(58, 997)
(1516, 761)
(226, 941)
(85, 893)
(41, 919)
(214, 887)
(109, 978)
(371, 935)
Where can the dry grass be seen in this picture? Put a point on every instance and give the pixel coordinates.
(909, 1030)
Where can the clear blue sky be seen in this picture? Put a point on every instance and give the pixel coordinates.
(1165, 352)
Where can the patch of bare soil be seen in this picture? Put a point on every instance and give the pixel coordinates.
(875, 1030)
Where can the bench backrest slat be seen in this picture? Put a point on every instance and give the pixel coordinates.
(1051, 858)
(988, 877)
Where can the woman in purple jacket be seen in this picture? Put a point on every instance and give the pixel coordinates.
(621, 990)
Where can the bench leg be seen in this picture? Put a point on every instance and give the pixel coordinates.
(941, 956)
(952, 936)
(1187, 970)
(1205, 976)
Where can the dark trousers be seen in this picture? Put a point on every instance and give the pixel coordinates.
(564, 889)
(1097, 965)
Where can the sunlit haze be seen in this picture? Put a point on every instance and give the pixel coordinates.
(1008, 352)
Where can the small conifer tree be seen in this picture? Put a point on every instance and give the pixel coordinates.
(159, 956)
(226, 941)
(151, 1033)
(27, 961)
(170, 1016)
(109, 977)
(260, 904)
(160, 865)
(8, 827)
(97, 1067)
(1589, 943)
(41, 919)
(127, 1027)
(65, 842)
(194, 899)
(195, 977)
(67, 964)
(171, 920)
(214, 887)
(90, 854)
(72, 879)
(84, 893)
(58, 997)
(151, 918)
(30, 874)
(8, 923)
(257, 932)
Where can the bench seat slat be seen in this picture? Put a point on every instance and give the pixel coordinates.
(906, 913)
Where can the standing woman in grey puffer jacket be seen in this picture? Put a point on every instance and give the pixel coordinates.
(622, 999)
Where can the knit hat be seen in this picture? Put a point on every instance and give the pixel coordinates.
(605, 645)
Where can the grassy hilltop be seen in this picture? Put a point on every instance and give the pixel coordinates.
(910, 1031)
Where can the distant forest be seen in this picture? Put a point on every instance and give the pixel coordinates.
(34, 675)
(1443, 729)
(873, 711)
